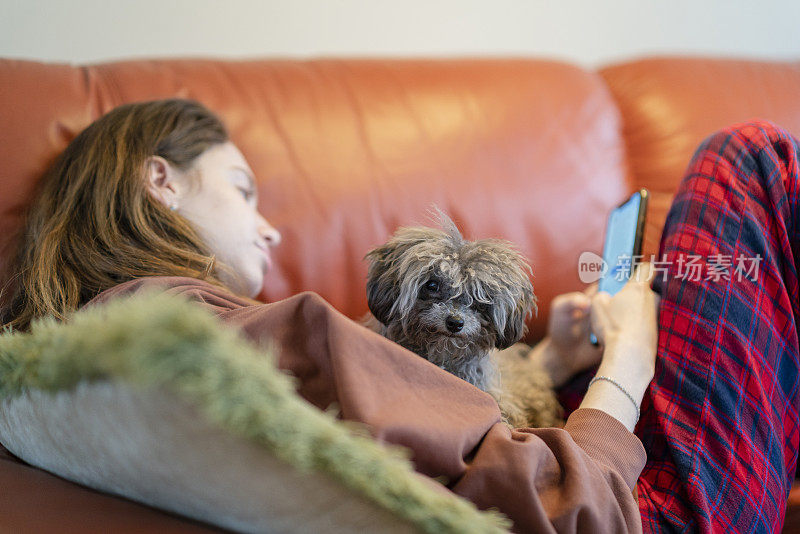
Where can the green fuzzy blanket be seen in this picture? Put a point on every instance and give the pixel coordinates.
(156, 340)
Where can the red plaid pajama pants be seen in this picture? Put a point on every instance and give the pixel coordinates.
(720, 419)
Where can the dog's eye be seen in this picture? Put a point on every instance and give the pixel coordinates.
(432, 286)
(483, 307)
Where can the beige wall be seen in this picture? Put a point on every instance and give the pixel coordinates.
(588, 32)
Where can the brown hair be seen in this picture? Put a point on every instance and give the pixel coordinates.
(94, 225)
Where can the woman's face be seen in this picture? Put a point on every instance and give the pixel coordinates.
(221, 205)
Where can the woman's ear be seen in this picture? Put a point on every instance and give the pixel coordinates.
(161, 180)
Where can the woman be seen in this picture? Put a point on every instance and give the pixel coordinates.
(176, 208)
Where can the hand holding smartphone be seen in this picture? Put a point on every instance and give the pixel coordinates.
(623, 244)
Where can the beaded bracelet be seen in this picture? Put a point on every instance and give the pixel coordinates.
(622, 389)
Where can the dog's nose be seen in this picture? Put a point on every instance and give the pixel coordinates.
(454, 323)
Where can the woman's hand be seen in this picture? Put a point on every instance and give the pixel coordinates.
(626, 325)
(566, 349)
(568, 330)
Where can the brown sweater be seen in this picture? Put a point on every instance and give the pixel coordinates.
(576, 479)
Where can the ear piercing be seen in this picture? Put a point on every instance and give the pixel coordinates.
(173, 206)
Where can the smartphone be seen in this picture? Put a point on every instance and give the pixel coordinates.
(623, 243)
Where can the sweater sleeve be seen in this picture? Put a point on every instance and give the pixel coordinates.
(576, 479)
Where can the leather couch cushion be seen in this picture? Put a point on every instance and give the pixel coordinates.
(35, 501)
(669, 105)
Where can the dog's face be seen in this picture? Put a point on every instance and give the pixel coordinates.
(445, 297)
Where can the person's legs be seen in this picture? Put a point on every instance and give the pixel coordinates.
(720, 420)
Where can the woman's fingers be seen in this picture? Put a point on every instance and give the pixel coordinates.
(631, 314)
(643, 272)
(573, 315)
(573, 304)
(591, 290)
(599, 317)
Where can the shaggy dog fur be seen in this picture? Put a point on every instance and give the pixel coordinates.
(458, 303)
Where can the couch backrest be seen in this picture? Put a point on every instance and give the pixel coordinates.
(345, 151)
(669, 105)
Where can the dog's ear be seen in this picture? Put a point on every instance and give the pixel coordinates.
(519, 312)
(513, 299)
(382, 289)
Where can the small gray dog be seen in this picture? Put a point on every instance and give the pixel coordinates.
(455, 303)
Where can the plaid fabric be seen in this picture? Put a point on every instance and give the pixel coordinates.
(720, 420)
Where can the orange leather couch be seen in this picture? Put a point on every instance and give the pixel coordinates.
(345, 151)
